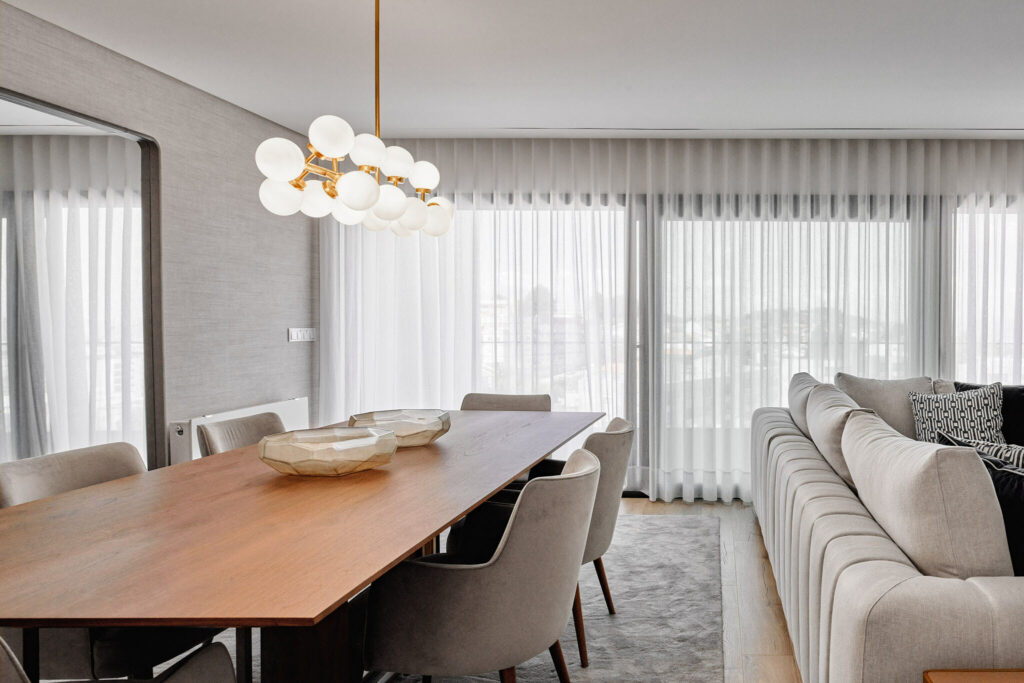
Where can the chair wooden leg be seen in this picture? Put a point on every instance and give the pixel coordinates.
(243, 655)
(508, 675)
(577, 622)
(599, 566)
(559, 659)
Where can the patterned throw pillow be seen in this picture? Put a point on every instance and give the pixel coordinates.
(976, 415)
(1009, 453)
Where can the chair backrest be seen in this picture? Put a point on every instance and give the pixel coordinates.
(540, 554)
(227, 435)
(538, 402)
(26, 480)
(10, 667)
(612, 447)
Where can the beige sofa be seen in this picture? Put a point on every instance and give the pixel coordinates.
(859, 605)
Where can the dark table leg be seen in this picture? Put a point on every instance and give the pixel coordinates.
(243, 655)
(330, 652)
(30, 653)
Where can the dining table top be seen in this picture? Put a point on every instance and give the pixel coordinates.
(227, 541)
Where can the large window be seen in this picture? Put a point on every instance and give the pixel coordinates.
(989, 291)
(681, 283)
(745, 302)
(551, 300)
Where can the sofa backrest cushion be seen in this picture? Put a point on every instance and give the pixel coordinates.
(936, 502)
(828, 409)
(887, 397)
(799, 389)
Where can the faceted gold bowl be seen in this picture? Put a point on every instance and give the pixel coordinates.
(328, 452)
(411, 427)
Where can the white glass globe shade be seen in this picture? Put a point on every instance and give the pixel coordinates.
(397, 228)
(280, 197)
(438, 222)
(391, 203)
(358, 190)
(397, 162)
(371, 222)
(280, 159)
(424, 176)
(316, 203)
(331, 136)
(415, 216)
(345, 215)
(368, 150)
(444, 204)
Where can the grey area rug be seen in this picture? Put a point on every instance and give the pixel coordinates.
(666, 580)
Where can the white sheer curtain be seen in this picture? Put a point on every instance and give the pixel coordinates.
(679, 283)
(72, 371)
(526, 294)
(989, 267)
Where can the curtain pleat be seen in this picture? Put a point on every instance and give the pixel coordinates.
(680, 283)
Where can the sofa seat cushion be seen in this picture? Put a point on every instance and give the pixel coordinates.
(976, 414)
(889, 625)
(1005, 596)
(799, 389)
(847, 557)
(887, 397)
(828, 408)
(936, 502)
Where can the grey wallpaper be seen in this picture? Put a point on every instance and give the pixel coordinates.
(234, 277)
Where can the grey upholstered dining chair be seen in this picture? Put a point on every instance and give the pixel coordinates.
(91, 652)
(209, 664)
(227, 435)
(511, 402)
(538, 402)
(483, 526)
(446, 615)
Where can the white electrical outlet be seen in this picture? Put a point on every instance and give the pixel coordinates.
(302, 334)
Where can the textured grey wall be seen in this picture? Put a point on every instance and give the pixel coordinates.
(234, 276)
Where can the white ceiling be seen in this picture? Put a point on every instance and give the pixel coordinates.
(17, 119)
(589, 67)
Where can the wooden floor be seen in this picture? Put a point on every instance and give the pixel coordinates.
(757, 645)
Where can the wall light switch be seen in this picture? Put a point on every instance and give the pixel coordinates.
(302, 334)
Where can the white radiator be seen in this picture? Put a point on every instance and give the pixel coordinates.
(183, 439)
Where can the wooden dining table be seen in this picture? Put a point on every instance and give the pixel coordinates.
(225, 541)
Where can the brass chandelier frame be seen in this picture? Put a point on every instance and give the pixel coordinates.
(332, 175)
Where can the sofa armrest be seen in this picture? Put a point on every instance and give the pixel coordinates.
(891, 623)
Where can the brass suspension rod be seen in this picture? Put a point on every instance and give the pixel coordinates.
(376, 67)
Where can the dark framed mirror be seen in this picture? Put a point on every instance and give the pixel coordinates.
(80, 351)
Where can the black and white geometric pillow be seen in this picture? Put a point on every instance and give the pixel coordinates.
(976, 414)
(1005, 452)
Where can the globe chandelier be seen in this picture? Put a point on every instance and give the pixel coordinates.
(314, 184)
